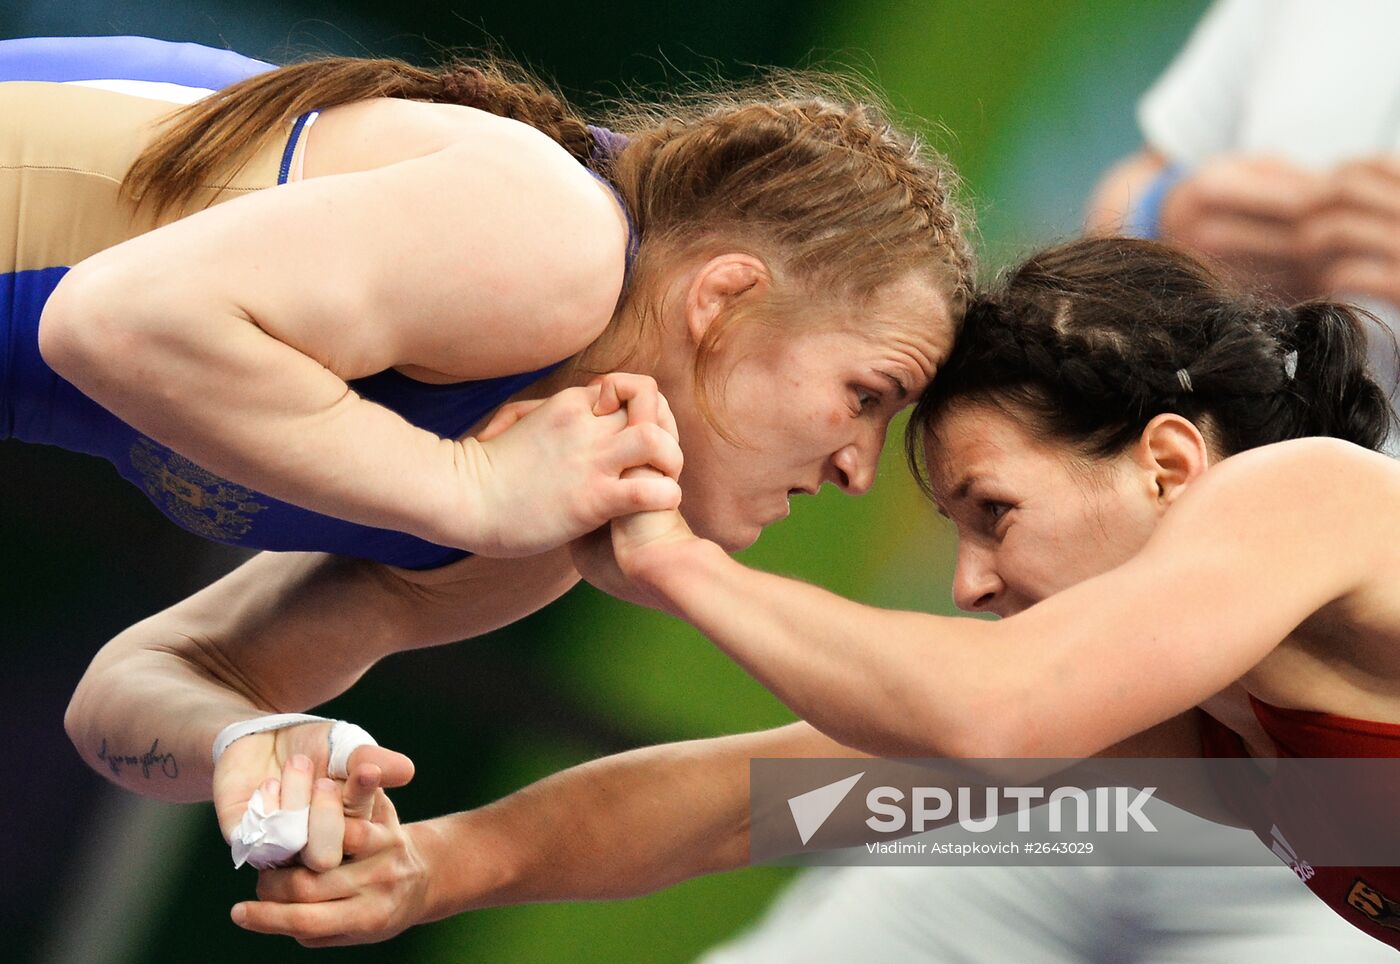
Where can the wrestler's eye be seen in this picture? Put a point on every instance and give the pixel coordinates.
(994, 513)
(865, 399)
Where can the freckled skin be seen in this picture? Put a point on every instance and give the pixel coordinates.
(792, 404)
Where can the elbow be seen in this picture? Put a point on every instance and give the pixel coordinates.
(994, 737)
(76, 718)
(83, 327)
(993, 722)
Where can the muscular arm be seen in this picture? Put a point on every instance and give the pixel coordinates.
(282, 633)
(230, 334)
(639, 821)
(1232, 570)
(633, 822)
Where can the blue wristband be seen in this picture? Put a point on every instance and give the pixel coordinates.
(1144, 219)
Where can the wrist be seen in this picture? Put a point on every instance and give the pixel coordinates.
(469, 863)
(463, 524)
(669, 571)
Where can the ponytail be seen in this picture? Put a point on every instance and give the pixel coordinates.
(1335, 395)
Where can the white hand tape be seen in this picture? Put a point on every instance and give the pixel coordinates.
(274, 839)
(259, 724)
(269, 839)
(345, 739)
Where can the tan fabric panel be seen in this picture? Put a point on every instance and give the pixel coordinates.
(63, 152)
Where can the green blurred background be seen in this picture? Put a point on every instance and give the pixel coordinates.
(1032, 100)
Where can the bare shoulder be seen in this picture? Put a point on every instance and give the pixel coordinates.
(1323, 502)
(1310, 476)
(574, 220)
(529, 233)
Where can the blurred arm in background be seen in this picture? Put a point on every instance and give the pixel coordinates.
(1272, 144)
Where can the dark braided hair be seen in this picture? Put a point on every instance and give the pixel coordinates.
(1089, 341)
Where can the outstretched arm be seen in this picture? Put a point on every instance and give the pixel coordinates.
(617, 827)
(1232, 569)
(620, 826)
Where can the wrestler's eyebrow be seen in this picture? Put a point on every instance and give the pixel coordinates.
(959, 493)
(901, 389)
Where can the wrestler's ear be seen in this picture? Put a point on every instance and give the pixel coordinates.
(720, 284)
(1171, 453)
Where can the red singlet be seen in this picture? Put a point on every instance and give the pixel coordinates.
(1367, 897)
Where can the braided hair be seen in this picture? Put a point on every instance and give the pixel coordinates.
(1091, 340)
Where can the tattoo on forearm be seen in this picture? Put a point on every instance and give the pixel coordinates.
(152, 759)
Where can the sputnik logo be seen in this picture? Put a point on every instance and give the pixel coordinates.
(811, 809)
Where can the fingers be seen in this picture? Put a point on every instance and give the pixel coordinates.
(640, 395)
(302, 921)
(239, 772)
(395, 769)
(1354, 235)
(1333, 234)
(645, 453)
(296, 783)
(385, 813)
(360, 791)
(1361, 276)
(648, 495)
(1258, 187)
(365, 836)
(361, 900)
(300, 885)
(326, 827)
(271, 794)
(646, 445)
(1230, 236)
(617, 389)
(1371, 186)
(361, 837)
(642, 528)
